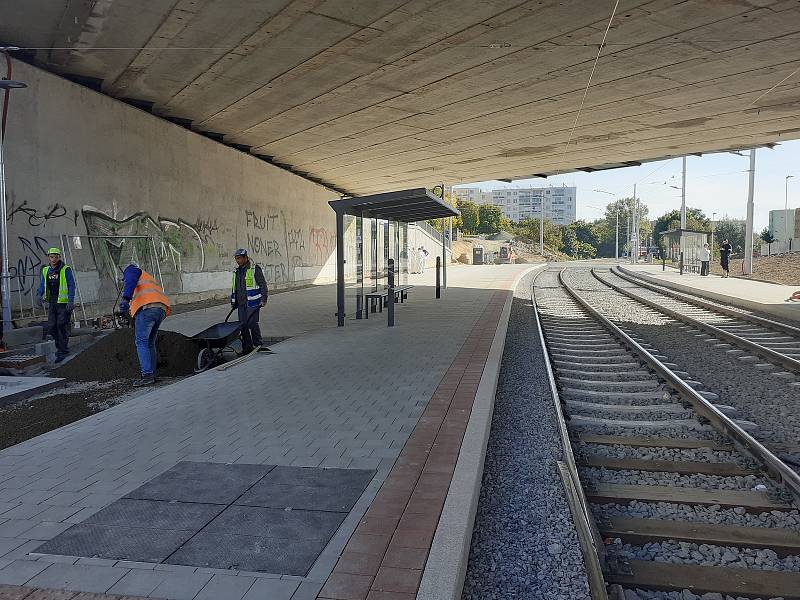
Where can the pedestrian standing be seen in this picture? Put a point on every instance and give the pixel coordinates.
(149, 306)
(423, 257)
(57, 291)
(249, 294)
(705, 259)
(725, 250)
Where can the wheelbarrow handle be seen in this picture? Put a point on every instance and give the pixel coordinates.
(230, 313)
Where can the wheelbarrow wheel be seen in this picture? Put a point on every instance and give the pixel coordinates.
(205, 360)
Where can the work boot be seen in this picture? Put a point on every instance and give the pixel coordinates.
(144, 381)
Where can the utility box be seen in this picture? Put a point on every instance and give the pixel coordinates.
(477, 255)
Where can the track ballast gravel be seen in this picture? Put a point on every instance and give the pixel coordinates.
(524, 544)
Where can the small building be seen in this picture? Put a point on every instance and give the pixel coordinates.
(689, 241)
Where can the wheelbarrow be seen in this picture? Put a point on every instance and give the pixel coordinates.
(216, 339)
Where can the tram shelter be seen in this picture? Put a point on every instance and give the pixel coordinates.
(371, 231)
(682, 247)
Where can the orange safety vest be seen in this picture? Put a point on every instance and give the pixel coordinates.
(147, 292)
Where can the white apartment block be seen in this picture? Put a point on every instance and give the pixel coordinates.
(518, 204)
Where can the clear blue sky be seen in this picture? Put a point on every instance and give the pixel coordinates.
(714, 183)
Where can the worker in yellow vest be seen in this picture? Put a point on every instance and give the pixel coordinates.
(248, 294)
(149, 306)
(57, 291)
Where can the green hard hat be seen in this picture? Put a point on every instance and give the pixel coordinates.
(54, 250)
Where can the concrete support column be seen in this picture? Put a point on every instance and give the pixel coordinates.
(748, 230)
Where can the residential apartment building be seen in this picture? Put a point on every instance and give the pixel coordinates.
(560, 203)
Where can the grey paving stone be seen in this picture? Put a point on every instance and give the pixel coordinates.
(46, 531)
(151, 514)
(249, 553)
(20, 571)
(122, 543)
(79, 578)
(21, 552)
(225, 586)
(307, 590)
(138, 582)
(277, 523)
(328, 478)
(24, 511)
(57, 514)
(274, 589)
(14, 527)
(180, 586)
(9, 544)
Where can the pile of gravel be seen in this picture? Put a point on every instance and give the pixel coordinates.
(524, 543)
(687, 553)
(708, 482)
(715, 514)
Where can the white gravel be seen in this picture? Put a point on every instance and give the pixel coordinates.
(709, 482)
(686, 553)
(715, 514)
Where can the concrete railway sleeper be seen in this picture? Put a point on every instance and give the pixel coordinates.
(677, 500)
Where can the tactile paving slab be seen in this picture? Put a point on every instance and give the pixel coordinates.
(224, 516)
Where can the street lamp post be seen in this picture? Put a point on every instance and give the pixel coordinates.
(786, 214)
(5, 287)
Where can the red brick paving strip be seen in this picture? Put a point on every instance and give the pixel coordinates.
(385, 556)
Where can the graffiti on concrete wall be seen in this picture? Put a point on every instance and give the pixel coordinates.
(39, 218)
(26, 269)
(323, 244)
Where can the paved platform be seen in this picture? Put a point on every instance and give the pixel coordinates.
(768, 298)
(395, 401)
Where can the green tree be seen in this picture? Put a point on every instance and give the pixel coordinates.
(527, 231)
(490, 218)
(767, 238)
(732, 230)
(579, 240)
(695, 219)
(469, 216)
(624, 207)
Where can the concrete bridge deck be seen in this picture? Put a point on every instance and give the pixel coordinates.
(396, 401)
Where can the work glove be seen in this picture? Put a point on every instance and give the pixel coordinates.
(124, 307)
(70, 306)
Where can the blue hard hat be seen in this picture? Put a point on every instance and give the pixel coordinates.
(240, 252)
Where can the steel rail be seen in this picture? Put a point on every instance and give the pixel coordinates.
(591, 541)
(785, 361)
(775, 467)
(707, 304)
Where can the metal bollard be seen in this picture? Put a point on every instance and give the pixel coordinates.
(438, 276)
(390, 294)
(680, 264)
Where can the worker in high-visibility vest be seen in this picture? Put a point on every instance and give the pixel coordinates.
(57, 290)
(149, 306)
(248, 294)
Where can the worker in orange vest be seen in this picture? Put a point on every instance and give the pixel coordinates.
(148, 306)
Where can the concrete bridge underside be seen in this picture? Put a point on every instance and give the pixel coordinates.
(366, 96)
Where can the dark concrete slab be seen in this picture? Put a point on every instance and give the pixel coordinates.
(320, 478)
(300, 497)
(249, 553)
(151, 514)
(122, 543)
(277, 523)
(204, 483)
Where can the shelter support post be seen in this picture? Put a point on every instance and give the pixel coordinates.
(340, 269)
(390, 295)
(748, 232)
(438, 277)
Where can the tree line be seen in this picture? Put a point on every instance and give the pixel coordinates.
(596, 239)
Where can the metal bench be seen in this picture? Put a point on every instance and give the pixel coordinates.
(381, 297)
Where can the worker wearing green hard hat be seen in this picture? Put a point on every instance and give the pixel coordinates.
(57, 291)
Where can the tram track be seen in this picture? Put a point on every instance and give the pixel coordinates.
(692, 503)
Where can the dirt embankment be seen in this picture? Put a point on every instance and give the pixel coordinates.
(782, 268)
(114, 357)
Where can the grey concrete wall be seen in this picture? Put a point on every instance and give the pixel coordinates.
(81, 164)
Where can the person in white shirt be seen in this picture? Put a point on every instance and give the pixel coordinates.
(705, 259)
(423, 256)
